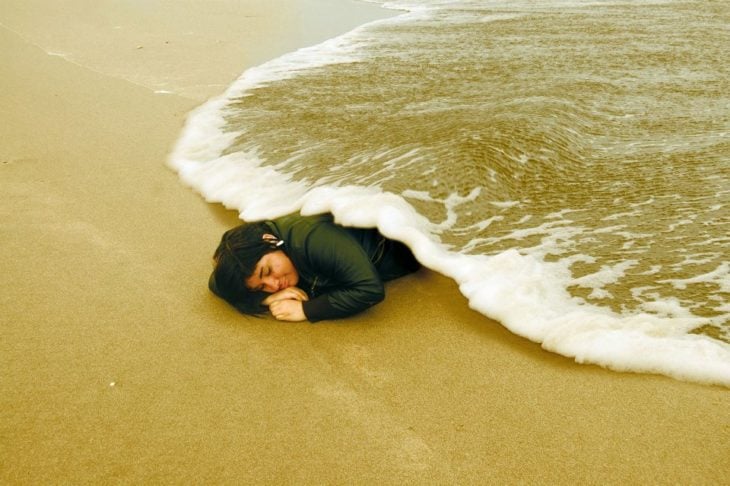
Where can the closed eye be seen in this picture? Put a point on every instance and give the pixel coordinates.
(263, 272)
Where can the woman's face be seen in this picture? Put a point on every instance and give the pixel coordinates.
(274, 272)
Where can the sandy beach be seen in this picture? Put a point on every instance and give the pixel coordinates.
(118, 365)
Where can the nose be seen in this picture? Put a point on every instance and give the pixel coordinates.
(270, 284)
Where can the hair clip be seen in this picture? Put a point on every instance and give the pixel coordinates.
(273, 240)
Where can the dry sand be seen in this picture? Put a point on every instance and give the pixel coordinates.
(119, 366)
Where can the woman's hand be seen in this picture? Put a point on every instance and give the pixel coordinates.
(288, 309)
(286, 305)
(289, 293)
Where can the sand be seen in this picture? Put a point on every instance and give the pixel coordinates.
(119, 366)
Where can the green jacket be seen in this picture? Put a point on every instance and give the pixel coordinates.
(341, 269)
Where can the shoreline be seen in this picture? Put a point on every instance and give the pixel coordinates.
(196, 51)
(119, 365)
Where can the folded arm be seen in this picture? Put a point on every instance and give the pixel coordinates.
(354, 281)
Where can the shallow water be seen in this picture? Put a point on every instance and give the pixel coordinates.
(568, 163)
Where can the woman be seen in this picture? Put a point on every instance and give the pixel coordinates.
(306, 268)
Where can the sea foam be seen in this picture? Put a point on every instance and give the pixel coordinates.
(522, 290)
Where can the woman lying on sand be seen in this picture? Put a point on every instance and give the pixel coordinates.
(306, 268)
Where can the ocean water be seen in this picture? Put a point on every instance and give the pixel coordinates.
(566, 162)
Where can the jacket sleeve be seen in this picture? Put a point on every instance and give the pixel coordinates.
(354, 281)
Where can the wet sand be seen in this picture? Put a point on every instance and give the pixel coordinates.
(119, 366)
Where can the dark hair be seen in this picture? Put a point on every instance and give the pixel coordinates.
(235, 258)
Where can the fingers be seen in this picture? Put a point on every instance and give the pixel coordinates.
(287, 310)
(297, 293)
(289, 293)
(278, 309)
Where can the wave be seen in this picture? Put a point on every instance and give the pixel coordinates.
(224, 156)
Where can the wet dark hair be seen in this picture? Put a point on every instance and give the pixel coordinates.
(236, 257)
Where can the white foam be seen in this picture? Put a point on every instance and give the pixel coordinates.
(204, 140)
(505, 204)
(561, 214)
(615, 216)
(669, 307)
(605, 276)
(652, 271)
(524, 293)
(720, 276)
(527, 294)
